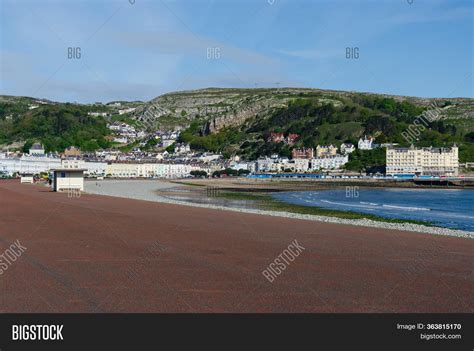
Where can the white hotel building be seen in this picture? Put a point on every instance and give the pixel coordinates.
(28, 164)
(423, 161)
(44, 164)
(148, 170)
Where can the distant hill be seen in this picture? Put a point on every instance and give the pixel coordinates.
(238, 121)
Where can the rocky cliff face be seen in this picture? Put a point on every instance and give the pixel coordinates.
(218, 108)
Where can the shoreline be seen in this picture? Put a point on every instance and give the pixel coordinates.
(291, 184)
(410, 227)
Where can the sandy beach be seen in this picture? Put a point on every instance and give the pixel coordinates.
(98, 253)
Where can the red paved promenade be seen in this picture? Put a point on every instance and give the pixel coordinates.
(104, 254)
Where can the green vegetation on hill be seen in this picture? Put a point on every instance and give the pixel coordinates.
(223, 141)
(56, 126)
(372, 161)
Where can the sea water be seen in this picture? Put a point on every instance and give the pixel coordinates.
(450, 208)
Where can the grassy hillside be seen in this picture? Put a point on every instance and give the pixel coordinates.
(25, 120)
(56, 125)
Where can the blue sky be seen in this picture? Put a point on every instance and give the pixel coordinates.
(141, 50)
